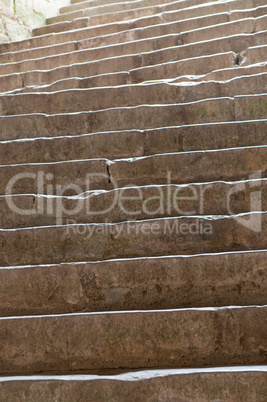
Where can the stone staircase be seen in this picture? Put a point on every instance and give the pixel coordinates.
(133, 204)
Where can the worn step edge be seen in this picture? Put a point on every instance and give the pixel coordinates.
(130, 284)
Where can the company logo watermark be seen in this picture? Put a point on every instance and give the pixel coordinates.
(72, 205)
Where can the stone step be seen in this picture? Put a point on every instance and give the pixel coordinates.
(207, 65)
(35, 53)
(68, 13)
(152, 339)
(111, 13)
(235, 43)
(94, 2)
(102, 80)
(124, 78)
(254, 53)
(69, 17)
(239, 108)
(228, 73)
(74, 100)
(133, 143)
(166, 17)
(146, 13)
(137, 48)
(189, 167)
(196, 10)
(133, 239)
(129, 35)
(77, 23)
(178, 26)
(114, 6)
(245, 383)
(134, 203)
(131, 284)
(75, 177)
(24, 178)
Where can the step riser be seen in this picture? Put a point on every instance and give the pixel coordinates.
(144, 284)
(91, 174)
(227, 74)
(114, 79)
(135, 47)
(162, 169)
(143, 117)
(47, 51)
(154, 339)
(159, 169)
(133, 204)
(103, 98)
(248, 387)
(232, 44)
(206, 64)
(254, 54)
(69, 17)
(54, 245)
(135, 143)
(184, 168)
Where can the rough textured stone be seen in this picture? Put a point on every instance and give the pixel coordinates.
(132, 284)
(168, 99)
(86, 342)
(134, 143)
(93, 242)
(143, 117)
